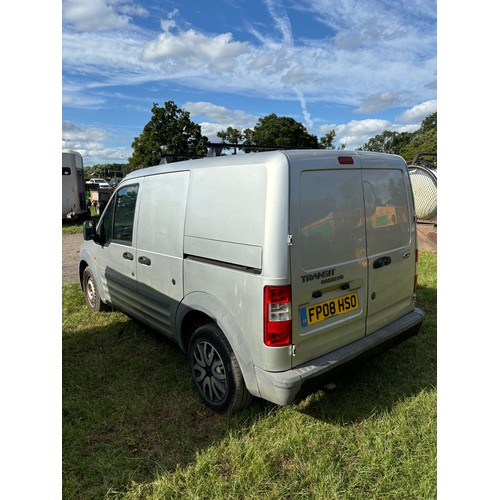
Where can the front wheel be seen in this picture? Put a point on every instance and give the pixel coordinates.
(215, 371)
(91, 292)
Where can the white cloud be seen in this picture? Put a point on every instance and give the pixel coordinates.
(99, 14)
(193, 49)
(91, 143)
(210, 130)
(81, 134)
(356, 133)
(419, 112)
(307, 116)
(233, 117)
(217, 118)
(112, 57)
(281, 20)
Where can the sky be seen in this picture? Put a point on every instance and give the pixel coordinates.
(356, 67)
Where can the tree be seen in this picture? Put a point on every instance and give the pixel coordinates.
(388, 142)
(231, 135)
(169, 132)
(326, 142)
(407, 144)
(423, 140)
(279, 131)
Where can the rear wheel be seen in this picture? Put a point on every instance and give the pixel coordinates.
(91, 292)
(215, 371)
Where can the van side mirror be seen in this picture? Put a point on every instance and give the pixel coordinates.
(89, 230)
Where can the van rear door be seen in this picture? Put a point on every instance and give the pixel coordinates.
(391, 244)
(328, 254)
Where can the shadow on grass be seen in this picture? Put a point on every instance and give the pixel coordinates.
(378, 385)
(129, 412)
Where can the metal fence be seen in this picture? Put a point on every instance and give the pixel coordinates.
(424, 186)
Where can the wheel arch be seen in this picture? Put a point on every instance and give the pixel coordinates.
(87, 261)
(198, 309)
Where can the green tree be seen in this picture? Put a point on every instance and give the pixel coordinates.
(424, 140)
(232, 136)
(326, 142)
(279, 131)
(407, 144)
(388, 142)
(169, 132)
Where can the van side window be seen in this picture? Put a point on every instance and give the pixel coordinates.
(123, 220)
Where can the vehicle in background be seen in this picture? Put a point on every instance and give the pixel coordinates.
(101, 183)
(73, 185)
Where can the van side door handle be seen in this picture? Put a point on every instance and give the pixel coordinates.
(128, 256)
(144, 260)
(381, 262)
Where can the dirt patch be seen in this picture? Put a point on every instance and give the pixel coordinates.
(70, 256)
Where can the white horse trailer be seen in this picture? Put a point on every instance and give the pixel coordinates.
(73, 185)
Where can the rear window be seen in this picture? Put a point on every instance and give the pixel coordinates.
(331, 217)
(387, 218)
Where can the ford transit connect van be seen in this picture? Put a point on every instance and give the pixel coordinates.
(272, 271)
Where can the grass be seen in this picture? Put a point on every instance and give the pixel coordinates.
(134, 429)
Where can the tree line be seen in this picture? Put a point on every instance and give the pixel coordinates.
(170, 136)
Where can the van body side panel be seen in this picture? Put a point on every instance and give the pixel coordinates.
(391, 242)
(236, 244)
(226, 203)
(231, 298)
(328, 257)
(160, 231)
(249, 256)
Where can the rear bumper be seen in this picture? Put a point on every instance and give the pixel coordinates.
(284, 388)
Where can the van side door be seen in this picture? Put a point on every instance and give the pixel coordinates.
(160, 247)
(390, 238)
(115, 256)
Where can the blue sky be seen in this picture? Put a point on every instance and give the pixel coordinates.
(359, 67)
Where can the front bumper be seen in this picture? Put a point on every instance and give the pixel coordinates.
(284, 388)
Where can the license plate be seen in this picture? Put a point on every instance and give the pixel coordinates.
(319, 312)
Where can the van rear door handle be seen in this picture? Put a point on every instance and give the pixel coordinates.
(381, 262)
(144, 260)
(128, 256)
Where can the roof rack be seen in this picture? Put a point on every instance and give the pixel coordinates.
(216, 148)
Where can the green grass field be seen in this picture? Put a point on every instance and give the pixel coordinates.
(133, 428)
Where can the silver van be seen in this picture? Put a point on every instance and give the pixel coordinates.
(272, 271)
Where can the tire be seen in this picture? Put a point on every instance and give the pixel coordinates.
(215, 372)
(91, 292)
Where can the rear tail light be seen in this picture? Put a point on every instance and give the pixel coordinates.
(416, 272)
(277, 316)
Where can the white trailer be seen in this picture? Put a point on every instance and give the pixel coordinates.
(73, 185)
